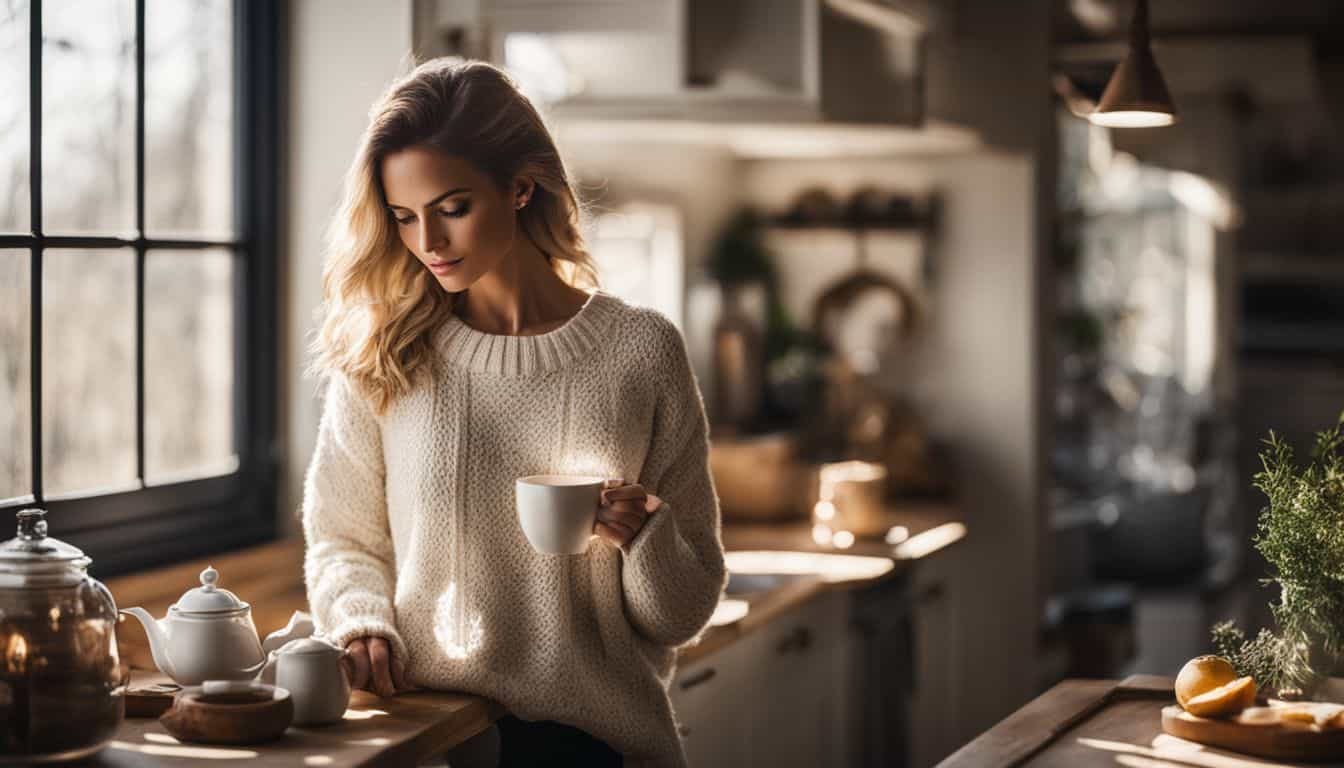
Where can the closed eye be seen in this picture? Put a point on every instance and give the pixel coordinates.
(455, 213)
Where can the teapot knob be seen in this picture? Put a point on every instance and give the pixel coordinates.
(208, 578)
(32, 526)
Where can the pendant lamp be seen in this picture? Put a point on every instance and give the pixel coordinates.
(1136, 96)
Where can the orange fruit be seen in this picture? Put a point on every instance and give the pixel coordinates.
(1224, 700)
(1201, 675)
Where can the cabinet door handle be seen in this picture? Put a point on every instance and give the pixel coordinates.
(800, 639)
(703, 676)
(931, 594)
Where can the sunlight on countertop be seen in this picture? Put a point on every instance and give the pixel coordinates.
(930, 541)
(831, 568)
(730, 610)
(193, 753)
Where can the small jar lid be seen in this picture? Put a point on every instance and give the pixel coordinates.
(33, 551)
(307, 646)
(208, 598)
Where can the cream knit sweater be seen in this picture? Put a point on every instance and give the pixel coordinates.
(412, 534)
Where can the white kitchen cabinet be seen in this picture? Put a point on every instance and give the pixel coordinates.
(933, 705)
(750, 61)
(796, 723)
(708, 698)
(849, 678)
(774, 697)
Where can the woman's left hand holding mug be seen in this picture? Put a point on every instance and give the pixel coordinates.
(623, 512)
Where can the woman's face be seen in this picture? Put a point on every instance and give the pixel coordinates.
(452, 217)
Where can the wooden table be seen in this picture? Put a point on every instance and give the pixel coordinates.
(1081, 723)
(397, 732)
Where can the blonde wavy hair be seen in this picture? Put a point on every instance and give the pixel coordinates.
(379, 304)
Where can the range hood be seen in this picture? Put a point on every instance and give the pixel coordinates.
(774, 63)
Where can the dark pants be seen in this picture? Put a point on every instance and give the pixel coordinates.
(525, 744)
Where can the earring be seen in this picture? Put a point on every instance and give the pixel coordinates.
(522, 203)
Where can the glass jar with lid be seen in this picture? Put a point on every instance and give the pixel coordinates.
(62, 689)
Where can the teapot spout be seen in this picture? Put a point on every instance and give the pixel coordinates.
(158, 641)
(256, 671)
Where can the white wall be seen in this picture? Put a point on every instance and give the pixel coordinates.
(342, 55)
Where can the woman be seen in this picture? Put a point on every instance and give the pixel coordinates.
(460, 353)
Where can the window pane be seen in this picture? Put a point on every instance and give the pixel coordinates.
(188, 364)
(638, 251)
(14, 190)
(88, 116)
(88, 369)
(16, 449)
(189, 118)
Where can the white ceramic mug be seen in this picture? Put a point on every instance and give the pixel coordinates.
(557, 512)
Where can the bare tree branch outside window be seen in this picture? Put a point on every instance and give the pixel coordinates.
(88, 188)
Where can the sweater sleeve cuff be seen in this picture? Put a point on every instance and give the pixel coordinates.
(356, 627)
(669, 594)
(660, 531)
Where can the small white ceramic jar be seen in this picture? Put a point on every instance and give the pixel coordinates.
(310, 669)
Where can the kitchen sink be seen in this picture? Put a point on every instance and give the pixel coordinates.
(752, 571)
(752, 583)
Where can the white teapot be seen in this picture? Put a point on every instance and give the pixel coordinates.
(208, 634)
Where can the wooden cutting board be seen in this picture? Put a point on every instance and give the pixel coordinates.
(1278, 741)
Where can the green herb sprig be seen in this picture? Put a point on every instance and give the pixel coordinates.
(1275, 663)
(1300, 533)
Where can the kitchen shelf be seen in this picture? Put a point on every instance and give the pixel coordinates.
(804, 137)
(914, 227)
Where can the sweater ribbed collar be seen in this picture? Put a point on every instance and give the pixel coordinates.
(462, 345)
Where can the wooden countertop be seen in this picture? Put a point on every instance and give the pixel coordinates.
(407, 729)
(270, 578)
(1081, 723)
(931, 527)
(400, 731)
(1076, 723)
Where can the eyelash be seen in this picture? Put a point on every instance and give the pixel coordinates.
(454, 214)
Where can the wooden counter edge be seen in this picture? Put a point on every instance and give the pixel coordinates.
(760, 611)
(440, 736)
(1032, 728)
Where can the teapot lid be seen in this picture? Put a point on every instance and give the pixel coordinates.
(208, 598)
(33, 550)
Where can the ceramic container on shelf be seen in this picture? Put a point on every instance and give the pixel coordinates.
(208, 634)
(850, 498)
(62, 689)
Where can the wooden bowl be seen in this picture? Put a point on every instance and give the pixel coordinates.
(150, 699)
(246, 713)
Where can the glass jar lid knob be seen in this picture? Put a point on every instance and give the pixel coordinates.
(32, 524)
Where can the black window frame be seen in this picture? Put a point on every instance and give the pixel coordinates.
(154, 525)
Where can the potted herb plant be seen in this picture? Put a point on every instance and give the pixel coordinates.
(1301, 536)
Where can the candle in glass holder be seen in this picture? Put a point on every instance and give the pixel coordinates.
(850, 499)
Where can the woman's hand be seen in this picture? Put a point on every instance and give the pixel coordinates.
(623, 512)
(370, 666)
